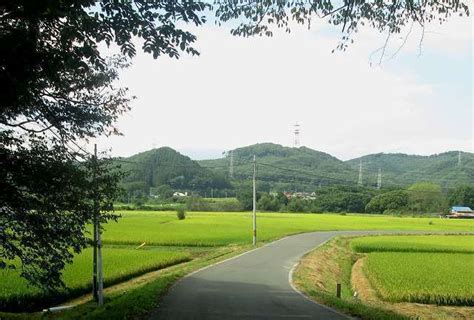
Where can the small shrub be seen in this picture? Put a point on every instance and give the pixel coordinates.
(181, 214)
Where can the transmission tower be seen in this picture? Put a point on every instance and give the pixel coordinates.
(360, 173)
(231, 167)
(379, 179)
(297, 132)
(459, 158)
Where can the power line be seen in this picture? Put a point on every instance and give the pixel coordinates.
(193, 166)
(306, 173)
(341, 181)
(416, 171)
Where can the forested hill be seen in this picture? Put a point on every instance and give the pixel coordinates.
(403, 169)
(283, 168)
(166, 167)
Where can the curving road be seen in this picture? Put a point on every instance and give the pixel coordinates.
(254, 285)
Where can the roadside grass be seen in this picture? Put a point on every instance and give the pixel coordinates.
(224, 228)
(429, 278)
(119, 264)
(422, 243)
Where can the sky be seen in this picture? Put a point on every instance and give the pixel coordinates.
(241, 91)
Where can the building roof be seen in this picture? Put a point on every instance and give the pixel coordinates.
(461, 209)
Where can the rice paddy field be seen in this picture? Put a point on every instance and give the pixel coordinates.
(118, 264)
(424, 243)
(434, 269)
(170, 241)
(219, 229)
(431, 278)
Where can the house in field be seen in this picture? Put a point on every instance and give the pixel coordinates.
(460, 212)
(300, 195)
(180, 194)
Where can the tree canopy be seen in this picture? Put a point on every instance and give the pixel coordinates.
(426, 197)
(395, 200)
(462, 196)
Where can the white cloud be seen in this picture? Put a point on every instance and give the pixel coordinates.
(243, 91)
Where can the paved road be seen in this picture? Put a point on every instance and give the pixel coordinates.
(251, 286)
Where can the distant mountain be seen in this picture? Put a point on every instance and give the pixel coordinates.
(283, 168)
(165, 166)
(288, 169)
(403, 169)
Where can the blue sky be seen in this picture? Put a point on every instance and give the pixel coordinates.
(245, 91)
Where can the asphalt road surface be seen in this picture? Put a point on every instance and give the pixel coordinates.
(255, 285)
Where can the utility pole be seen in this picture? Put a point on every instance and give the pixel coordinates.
(94, 241)
(94, 264)
(100, 275)
(98, 279)
(360, 173)
(379, 179)
(254, 202)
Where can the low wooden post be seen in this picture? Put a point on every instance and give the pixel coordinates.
(338, 290)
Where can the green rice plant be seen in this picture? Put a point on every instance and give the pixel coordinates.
(421, 243)
(199, 229)
(219, 228)
(430, 278)
(119, 264)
